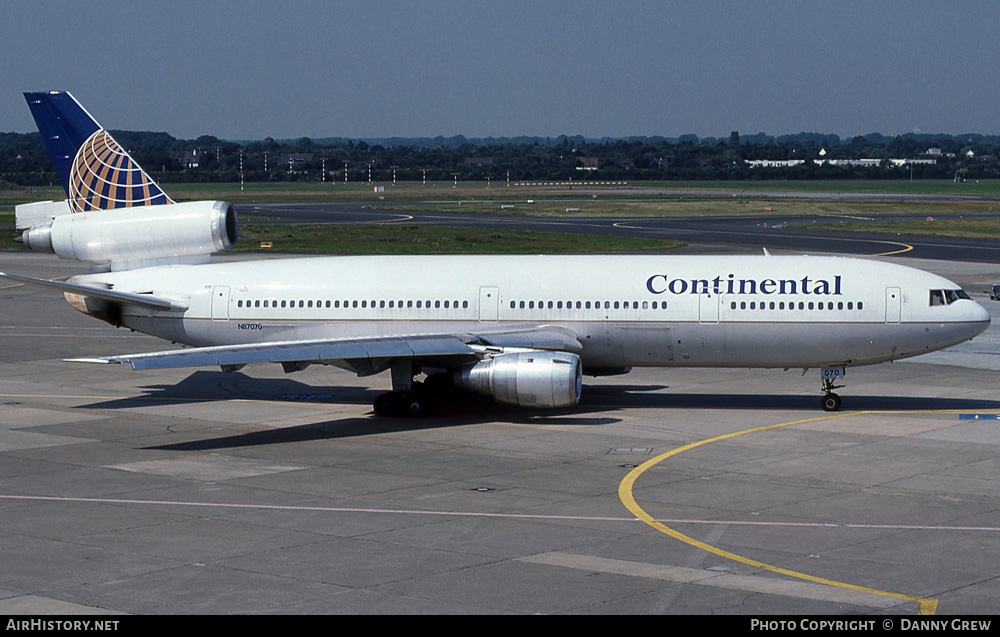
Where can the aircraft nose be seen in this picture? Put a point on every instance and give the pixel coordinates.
(979, 314)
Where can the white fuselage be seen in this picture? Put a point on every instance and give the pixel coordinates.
(711, 311)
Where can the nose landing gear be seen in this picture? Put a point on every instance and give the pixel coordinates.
(829, 375)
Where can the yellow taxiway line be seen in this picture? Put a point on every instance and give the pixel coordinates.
(927, 606)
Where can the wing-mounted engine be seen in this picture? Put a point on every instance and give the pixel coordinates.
(139, 237)
(528, 379)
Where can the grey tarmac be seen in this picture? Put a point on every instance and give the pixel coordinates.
(197, 491)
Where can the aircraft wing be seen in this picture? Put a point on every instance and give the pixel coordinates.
(364, 356)
(142, 300)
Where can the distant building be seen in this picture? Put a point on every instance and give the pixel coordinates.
(297, 158)
(586, 163)
(188, 158)
(774, 163)
(848, 162)
(865, 163)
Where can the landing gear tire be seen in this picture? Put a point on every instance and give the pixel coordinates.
(831, 402)
(409, 404)
(414, 406)
(387, 405)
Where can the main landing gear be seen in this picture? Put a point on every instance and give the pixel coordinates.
(829, 375)
(412, 404)
(408, 398)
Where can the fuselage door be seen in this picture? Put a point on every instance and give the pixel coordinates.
(220, 303)
(708, 308)
(489, 302)
(892, 304)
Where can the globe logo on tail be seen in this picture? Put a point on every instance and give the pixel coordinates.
(104, 177)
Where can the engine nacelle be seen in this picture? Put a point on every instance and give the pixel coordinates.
(140, 236)
(527, 379)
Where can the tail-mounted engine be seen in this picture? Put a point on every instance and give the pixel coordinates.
(528, 379)
(139, 237)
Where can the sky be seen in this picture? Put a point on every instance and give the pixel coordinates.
(383, 68)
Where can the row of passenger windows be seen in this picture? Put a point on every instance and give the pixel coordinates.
(348, 303)
(557, 305)
(801, 305)
(587, 305)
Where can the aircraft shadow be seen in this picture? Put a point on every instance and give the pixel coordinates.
(615, 396)
(461, 409)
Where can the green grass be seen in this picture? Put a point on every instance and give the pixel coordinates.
(638, 199)
(962, 228)
(400, 239)
(981, 188)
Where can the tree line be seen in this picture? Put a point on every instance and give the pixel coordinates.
(24, 161)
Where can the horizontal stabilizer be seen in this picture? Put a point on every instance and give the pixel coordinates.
(142, 300)
(27, 215)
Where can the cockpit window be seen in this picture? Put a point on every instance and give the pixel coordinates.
(947, 297)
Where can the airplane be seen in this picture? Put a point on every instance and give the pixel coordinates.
(523, 330)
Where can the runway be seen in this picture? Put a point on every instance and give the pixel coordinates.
(665, 491)
(711, 234)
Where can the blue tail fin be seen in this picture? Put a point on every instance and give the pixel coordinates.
(96, 173)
